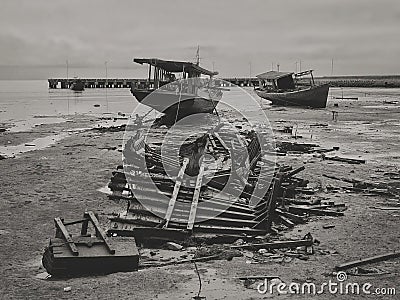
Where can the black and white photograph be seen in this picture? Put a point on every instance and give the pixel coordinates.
(204, 150)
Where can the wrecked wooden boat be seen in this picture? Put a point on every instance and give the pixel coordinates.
(282, 89)
(85, 254)
(171, 96)
(216, 187)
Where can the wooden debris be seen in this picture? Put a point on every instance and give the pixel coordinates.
(368, 260)
(313, 211)
(85, 254)
(277, 245)
(328, 226)
(343, 159)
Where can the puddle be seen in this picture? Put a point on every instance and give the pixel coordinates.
(37, 144)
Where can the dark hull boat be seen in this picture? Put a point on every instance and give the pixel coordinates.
(281, 89)
(315, 97)
(177, 99)
(172, 103)
(78, 86)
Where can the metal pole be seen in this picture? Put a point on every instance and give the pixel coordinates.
(67, 68)
(105, 63)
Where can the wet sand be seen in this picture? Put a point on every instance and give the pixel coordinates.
(64, 178)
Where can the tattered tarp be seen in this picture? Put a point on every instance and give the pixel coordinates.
(175, 66)
(273, 75)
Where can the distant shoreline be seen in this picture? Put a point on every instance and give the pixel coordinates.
(384, 81)
(378, 81)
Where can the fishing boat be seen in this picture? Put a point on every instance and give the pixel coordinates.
(77, 85)
(167, 94)
(290, 89)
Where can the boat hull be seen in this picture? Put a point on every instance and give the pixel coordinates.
(172, 103)
(78, 86)
(315, 97)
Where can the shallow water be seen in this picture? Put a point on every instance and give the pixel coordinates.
(26, 103)
(36, 144)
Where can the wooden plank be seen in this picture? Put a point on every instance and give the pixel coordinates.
(343, 159)
(368, 260)
(196, 194)
(216, 134)
(67, 237)
(177, 186)
(293, 217)
(247, 160)
(313, 211)
(276, 245)
(285, 221)
(210, 137)
(294, 172)
(99, 232)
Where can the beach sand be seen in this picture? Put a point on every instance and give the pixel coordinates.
(63, 180)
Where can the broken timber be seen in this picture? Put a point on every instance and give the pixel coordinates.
(177, 186)
(368, 260)
(205, 206)
(277, 245)
(343, 159)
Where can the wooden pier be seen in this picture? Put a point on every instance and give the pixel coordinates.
(55, 83)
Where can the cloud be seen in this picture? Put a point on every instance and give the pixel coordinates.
(230, 33)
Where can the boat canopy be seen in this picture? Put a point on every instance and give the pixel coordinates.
(303, 73)
(175, 66)
(274, 75)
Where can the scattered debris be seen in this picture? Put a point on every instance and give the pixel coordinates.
(385, 207)
(358, 271)
(367, 187)
(173, 246)
(110, 128)
(328, 226)
(306, 242)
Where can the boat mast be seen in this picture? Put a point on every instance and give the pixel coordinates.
(312, 79)
(198, 55)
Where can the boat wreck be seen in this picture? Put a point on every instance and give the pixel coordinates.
(213, 191)
(173, 96)
(281, 88)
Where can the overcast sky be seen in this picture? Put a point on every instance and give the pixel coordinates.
(37, 37)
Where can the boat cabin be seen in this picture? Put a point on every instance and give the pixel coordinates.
(162, 72)
(275, 80)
